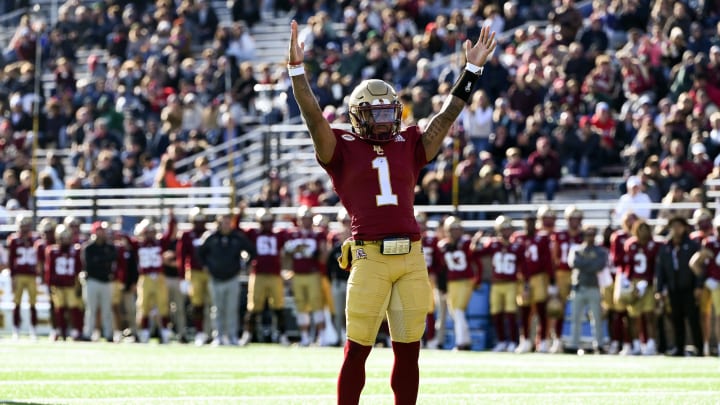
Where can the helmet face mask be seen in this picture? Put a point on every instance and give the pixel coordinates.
(375, 111)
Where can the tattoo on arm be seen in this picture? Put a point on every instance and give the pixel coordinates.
(440, 124)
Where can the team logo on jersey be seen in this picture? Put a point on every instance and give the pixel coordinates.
(378, 149)
(399, 138)
(347, 137)
(360, 254)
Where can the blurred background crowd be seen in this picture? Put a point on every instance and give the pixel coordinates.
(598, 89)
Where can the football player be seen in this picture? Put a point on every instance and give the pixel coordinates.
(433, 329)
(189, 264)
(73, 224)
(562, 242)
(265, 282)
(508, 266)
(46, 230)
(618, 321)
(305, 247)
(456, 260)
(532, 292)
(22, 262)
(152, 289)
(374, 170)
(62, 266)
(702, 220)
(639, 268)
(706, 264)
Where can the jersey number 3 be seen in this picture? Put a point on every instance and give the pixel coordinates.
(386, 196)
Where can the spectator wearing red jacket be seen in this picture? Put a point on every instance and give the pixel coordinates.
(545, 171)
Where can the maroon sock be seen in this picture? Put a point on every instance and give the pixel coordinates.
(405, 378)
(542, 326)
(164, 321)
(60, 320)
(76, 318)
(625, 327)
(559, 322)
(611, 325)
(643, 328)
(512, 324)
(352, 374)
(198, 319)
(430, 327)
(144, 322)
(497, 320)
(525, 321)
(16, 316)
(33, 315)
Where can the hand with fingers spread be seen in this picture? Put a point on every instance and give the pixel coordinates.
(296, 52)
(478, 53)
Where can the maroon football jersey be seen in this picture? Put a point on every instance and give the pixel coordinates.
(187, 251)
(640, 260)
(304, 247)
(22, 257)
(456, 259)
(508, 261)
(563, 243)
(376, 183)
(430, 247)
(538, 258)
(268, 247)
(713, 265)
(149, 256)
(121, 264)
(617, 249)
(63, 265)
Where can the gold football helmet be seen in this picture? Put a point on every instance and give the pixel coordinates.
(375, 111)
(196, 215)
(63, 234)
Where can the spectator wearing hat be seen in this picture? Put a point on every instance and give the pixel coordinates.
(703, 166)
(99, 261)
(676, 280)
(633, 200)
(545, 171)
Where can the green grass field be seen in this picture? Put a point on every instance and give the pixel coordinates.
(90, 373)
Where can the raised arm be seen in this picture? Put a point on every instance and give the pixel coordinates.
(440, 124)
(319, 128)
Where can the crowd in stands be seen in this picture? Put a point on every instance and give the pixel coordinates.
(632, 89)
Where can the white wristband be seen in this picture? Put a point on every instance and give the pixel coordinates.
(478, 70)
(296, 70)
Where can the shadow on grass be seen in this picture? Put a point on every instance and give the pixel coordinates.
(6, 402)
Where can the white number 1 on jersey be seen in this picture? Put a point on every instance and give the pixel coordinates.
(386, 196)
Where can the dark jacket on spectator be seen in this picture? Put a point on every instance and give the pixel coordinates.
(672, 270)
(99, 260)
(550, 163)
(221, 253)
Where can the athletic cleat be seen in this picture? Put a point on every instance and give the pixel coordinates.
(164, 336)
(144, 336)
(200, 339)
(432, 344)
(557, 346)
(524, 347)
(706, 349)
(613, 349)
(626, 350)
(245, 339)
(511, 347)
(284, 341)
(649, 349)
(500, 347)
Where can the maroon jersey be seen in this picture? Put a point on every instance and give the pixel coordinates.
(640, 260)
(376, 183)
(149, 256)
(268, 246)
(538, 258)
(121, 264)
(304, 248)
(617, 249)
(22, 258)
(508, 261)
(429, 248)
(62, 265)
(563, 243)
(456, 259)
(713, 264)
(187, 251)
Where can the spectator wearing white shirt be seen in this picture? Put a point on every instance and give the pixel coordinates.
(477, 121)
(633, 200)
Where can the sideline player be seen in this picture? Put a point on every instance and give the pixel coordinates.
(532, 291)
(190, 265)
(63, 263)
(22, 262)
(617, 317)
(374, 170)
